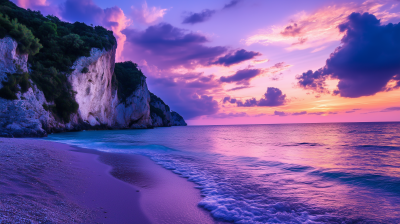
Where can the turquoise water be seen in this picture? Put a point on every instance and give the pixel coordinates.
(288, 173)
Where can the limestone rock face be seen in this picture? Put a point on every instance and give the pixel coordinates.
(135, 112)
(177, 120)
(10, 60)
(25, 117)
(93, 87)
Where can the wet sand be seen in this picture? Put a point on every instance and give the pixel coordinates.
(43, 181)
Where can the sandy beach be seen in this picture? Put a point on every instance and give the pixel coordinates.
(47, 182)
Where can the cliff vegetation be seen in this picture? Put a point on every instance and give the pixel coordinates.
(127, 77)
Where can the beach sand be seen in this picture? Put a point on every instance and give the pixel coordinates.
(47, 182)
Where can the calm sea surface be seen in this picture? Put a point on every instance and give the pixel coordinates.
(287, 173)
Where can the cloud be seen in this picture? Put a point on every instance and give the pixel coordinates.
(45, 7)
(229, 115)
(276, 77)
(88, 12)
(313, 81)
(116, 20)
(367, 60)
(390, 109)
(206, 14)
(188, 103)
(312, 30)
(229, 100)
(280, 113)
(188, 94)
(239, 88)
(236, 57)
(30, 4)
(195, 81)
(316, 113)
(278, 67)
(242, 76)
(148, 15)
(272, 98)
(231, 4)
(85, 11)
(200, 17)
(299, 113)
(166, 47)
(351, 111)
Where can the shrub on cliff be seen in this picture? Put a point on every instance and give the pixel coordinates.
(15, 82)
(27, 43)
(157, 111)
(154, 99)
(128, 77)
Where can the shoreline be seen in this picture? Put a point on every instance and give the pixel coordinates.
(48, 181)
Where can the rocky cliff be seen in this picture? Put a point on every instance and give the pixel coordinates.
(100, 106)
(177, 120)
(135, 111)
(161, 114)
(24, 116)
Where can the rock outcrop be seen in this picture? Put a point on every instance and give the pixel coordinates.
(10, 60)
(177, 120)
(24, 117)
(93, 86)
(160, 112)
(135, 112)
(99, 105)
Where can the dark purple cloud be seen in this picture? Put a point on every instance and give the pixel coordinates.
(272, 98)
(206, 14)
(231, 4)
(367, 61)
(389, 109)
(236, 57)
(200, 17)
(280, 113)
(85, 11)
(313, 81)
(229, 100)
(299, 113)
(166, 46)
(242, 76)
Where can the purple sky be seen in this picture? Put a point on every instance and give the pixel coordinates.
(257, 61)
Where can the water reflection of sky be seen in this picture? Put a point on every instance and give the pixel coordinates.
(350, 171)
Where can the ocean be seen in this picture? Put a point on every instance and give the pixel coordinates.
(281, 173)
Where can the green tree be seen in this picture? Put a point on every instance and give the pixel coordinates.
(27, 43)
(48, 29)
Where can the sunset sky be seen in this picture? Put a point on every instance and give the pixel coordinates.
(256, 61)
